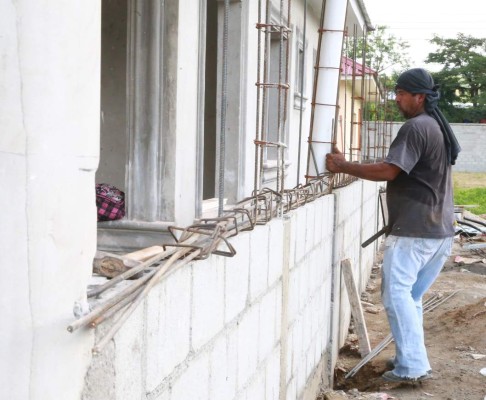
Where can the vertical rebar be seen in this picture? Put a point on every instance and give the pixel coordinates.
(352, 121)
(222, 138)
(310, 151)
(272, 91)
(301, 111)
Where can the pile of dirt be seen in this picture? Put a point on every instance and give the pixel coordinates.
(455, 337)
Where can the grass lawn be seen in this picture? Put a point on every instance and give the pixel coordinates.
(470, 189)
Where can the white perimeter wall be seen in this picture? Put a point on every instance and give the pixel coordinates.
(49, 144)
(472, 138)
(256, 326)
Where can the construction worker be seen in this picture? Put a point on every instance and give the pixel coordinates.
(421, 215)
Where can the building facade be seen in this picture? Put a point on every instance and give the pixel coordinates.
(138, 94)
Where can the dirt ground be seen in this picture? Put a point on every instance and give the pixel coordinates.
(455, 336)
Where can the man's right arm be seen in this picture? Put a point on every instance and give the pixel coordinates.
(335, 162)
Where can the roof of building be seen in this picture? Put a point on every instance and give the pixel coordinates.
(348, 66)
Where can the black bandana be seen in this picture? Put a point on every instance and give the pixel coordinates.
(418, 80)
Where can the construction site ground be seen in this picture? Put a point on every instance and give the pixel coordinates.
(455, 337)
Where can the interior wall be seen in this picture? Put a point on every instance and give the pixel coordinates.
(113, 113)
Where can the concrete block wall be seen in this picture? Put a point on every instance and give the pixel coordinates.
(472, 138)
(255, 326)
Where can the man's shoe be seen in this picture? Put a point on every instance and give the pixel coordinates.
(391, 377)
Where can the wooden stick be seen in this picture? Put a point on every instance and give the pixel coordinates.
(156, 258)
(356, 309)
(101, 288)
(118, 306)
(155, 279)
(144, 254)
(85, 320)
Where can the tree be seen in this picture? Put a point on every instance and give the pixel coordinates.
(462, 78)
(383, 50)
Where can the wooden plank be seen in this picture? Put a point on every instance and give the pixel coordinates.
(356, 309)
(144, 254)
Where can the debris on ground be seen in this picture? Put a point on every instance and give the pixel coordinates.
(454, 334)
(353, 394)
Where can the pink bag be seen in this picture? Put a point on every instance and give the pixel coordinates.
(110, 202)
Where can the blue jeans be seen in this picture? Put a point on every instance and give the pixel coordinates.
(410, 267)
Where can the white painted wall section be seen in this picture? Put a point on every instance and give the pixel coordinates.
(49, 144)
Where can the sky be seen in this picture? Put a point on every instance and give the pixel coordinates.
(415, 21)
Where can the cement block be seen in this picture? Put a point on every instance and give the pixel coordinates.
(301, 229)
(294, 286)
(276, 250)
(259, 260)
(291, 389)
(237, 272)
(272, 376)
(319, 221)
(208, 300)
(247, 345)
(310, 226)
(129, 350)
(306, 325)
(297, 344)
(232, 357)
(256, 388)
(162, 395)
(168, 326)
(267, 319)
(193, 384)
(278, 313)
(300, 376)
(314, 261)
(289, 368)
(100, 379)
(222, 380)
(293, 234)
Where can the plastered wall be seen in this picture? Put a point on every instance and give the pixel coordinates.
(49, 119)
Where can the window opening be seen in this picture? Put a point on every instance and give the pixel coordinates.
(301, 77)
(272, 91)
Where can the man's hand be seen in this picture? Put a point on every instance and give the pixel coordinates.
(335, 161)
(383, 171)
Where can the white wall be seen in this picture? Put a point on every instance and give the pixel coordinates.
(256, 326)
(49, 144)
(472, 138)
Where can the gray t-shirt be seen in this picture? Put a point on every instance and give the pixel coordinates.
(419, 199)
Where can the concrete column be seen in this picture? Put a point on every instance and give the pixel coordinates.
(49, 144)
(328, 81)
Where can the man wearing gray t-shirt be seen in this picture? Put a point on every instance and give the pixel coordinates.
(421, 215)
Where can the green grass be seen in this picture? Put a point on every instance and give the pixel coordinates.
(474, 196)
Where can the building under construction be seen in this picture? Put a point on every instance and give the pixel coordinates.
(213, 118)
